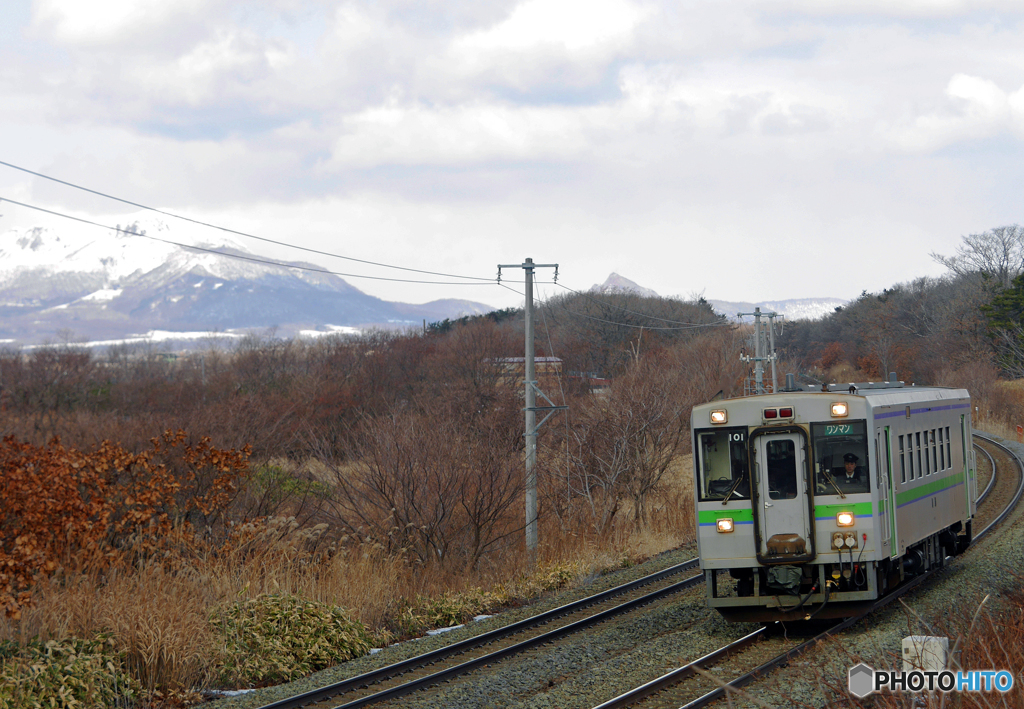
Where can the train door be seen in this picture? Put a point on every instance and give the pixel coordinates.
(970, 478)
(785, 532)
(886, 493)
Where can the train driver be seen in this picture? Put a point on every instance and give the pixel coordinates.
(852, 475)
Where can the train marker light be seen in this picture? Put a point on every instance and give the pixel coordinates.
(725, 525)
(840, 409)
(771, 413)
(786, 412)
(719, 416)
(845, 519)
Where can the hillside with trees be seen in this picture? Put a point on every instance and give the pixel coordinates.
(960, 329)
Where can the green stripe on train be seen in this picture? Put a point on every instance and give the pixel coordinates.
(929, 488)
(861, 509)
(712, 516)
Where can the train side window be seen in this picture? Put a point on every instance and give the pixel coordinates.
(920, 459)
(910, 454)
(942, 451)
(935, 454)
(949, 450)
(722, 464)
(903, 463)
(927, 455)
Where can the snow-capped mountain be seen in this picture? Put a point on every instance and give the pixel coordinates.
(793, 309)
(620, 284)
(106, 284)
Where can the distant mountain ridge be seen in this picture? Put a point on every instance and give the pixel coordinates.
(115, 284)
(793, 309)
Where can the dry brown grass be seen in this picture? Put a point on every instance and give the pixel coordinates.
(159, 619)
(159, 613)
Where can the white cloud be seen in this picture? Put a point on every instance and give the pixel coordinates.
(110, 21)
(541, 41)
(575, 25)
(894, 8)
(209, 70)
(977, 108)
(421, 135)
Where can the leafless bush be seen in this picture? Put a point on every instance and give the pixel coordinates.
(432, 486)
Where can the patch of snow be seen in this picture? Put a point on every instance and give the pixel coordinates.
(792, 309)
(217, 285)
(438, 631)
(151, 336)
(482, 617)
(200, 284)
(105, 294)
(228, 692)
(175, 298)
(330, 330)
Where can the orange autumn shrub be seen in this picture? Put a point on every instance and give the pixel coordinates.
(60, 506)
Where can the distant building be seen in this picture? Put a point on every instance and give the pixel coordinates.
(601, 386)
(513, 370)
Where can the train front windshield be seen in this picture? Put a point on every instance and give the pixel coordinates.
(840, 458)
(722, 464)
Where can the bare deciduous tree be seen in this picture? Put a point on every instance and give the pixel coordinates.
(433, 485)
(998, 253)
(619, 447)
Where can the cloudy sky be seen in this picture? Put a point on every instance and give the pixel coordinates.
(745, 149)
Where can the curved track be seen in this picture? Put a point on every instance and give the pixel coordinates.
(743, 644)
(448, 662)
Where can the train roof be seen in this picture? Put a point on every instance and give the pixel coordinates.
(877, 393)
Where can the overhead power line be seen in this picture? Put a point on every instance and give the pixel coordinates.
(241, 233)
(254, 259)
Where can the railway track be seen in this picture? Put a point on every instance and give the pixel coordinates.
(444, 664)
(744, 661)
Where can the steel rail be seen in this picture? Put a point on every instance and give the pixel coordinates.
(1016, 496)
(657, 685)
(325, 693)
(451, 672)
(667, 680)
(992, 479)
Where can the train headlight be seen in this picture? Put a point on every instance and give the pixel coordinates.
(840, 409)
(725, 525)
(719, 416)
(845, 519)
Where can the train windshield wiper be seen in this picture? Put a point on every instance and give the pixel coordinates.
(733, 488)
(832, 481)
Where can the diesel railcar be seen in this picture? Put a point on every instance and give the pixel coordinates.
(812, 503)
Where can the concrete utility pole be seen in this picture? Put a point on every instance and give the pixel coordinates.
(759, 346)
(531, 408)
